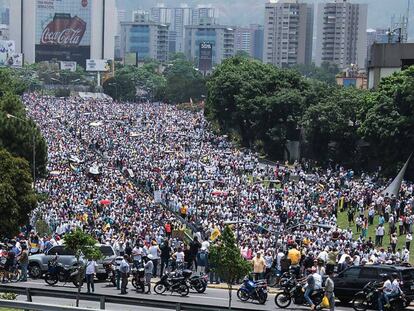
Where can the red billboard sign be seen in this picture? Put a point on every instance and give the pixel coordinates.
(64, 30)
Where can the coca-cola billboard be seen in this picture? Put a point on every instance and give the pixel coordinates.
(63, 30)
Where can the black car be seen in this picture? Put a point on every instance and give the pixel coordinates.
(353, 279)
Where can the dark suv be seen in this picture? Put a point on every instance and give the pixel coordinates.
(352, 280)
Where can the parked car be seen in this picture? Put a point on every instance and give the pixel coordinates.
(353, 279)
(38, 264)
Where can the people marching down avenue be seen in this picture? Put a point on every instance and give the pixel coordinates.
(158, 185)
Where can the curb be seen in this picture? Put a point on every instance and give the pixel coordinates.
(270, 290)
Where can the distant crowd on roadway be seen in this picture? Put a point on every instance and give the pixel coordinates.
(105, 157)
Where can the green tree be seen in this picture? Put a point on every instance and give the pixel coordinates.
(183, 82)
(17, 198)
(388, 121)
(227, 260)
(18, 136)
(81, 244)
(131, 82)
(256, 103)
(331, 125)
(241, 53)
(325, 73)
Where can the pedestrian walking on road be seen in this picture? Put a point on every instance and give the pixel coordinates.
(124, 269)
(329, 290)
(91, 266)
(24, 263)
(148, 269)
(118, 261)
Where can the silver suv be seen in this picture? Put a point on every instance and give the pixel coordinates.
(38, 263)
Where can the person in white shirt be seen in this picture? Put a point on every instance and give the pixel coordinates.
(137, 252)
(154, 252)
(91, 266)
(408, 239)
(124, 269)
(179, 258)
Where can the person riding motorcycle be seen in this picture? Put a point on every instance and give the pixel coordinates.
(387, 292)
(313, 283)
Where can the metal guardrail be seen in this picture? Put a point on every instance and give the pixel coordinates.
(32, 306)
(103, 299)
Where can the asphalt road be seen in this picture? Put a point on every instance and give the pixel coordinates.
(216, 297)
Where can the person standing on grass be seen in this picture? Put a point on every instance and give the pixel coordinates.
(408, 239)
(393, 242)
(381, 232)
(91, 267)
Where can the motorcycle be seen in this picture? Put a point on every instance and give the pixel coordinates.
(110, 271)
(59, 273)
(254, 290)
(198, 283)
(368, 299)
(293, 291)
(138, 280)
(173, 283)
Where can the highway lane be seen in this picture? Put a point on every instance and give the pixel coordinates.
(216, 297)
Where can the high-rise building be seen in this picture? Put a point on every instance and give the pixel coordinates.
(341, 33)
(288, 33)
(146, 38)
(69, 30)
(249, 40)
(221, 39)
(178, 18)
(203, 12)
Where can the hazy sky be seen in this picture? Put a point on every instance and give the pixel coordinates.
(244, 12)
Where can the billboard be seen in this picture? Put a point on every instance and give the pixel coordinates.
(205, 58)
(97, 65)
(71, 66)
(15, 60)
(131, 59)
(63, 30)
(8, 55)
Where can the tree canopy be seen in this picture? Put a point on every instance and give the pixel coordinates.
(264, 107)
(256, 103)
(17, 197)
(16, 134)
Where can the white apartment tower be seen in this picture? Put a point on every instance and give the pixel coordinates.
(341, 33)
(288, 33)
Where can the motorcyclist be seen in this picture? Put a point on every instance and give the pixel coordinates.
(396, 290)
(313, 282)
(386, 290)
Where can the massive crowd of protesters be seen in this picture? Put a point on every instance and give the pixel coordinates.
(104, 156)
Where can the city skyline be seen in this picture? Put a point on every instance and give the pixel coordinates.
(234, 12)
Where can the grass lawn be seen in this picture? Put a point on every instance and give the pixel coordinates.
(343, 224)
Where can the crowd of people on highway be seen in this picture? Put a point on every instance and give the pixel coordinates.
(133, 175)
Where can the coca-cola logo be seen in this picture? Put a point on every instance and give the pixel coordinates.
(65, 37)
(64, 30)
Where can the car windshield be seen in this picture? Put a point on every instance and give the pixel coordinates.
(407, 275)
(106, 250)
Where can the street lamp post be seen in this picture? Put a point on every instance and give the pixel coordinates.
(10, 116)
